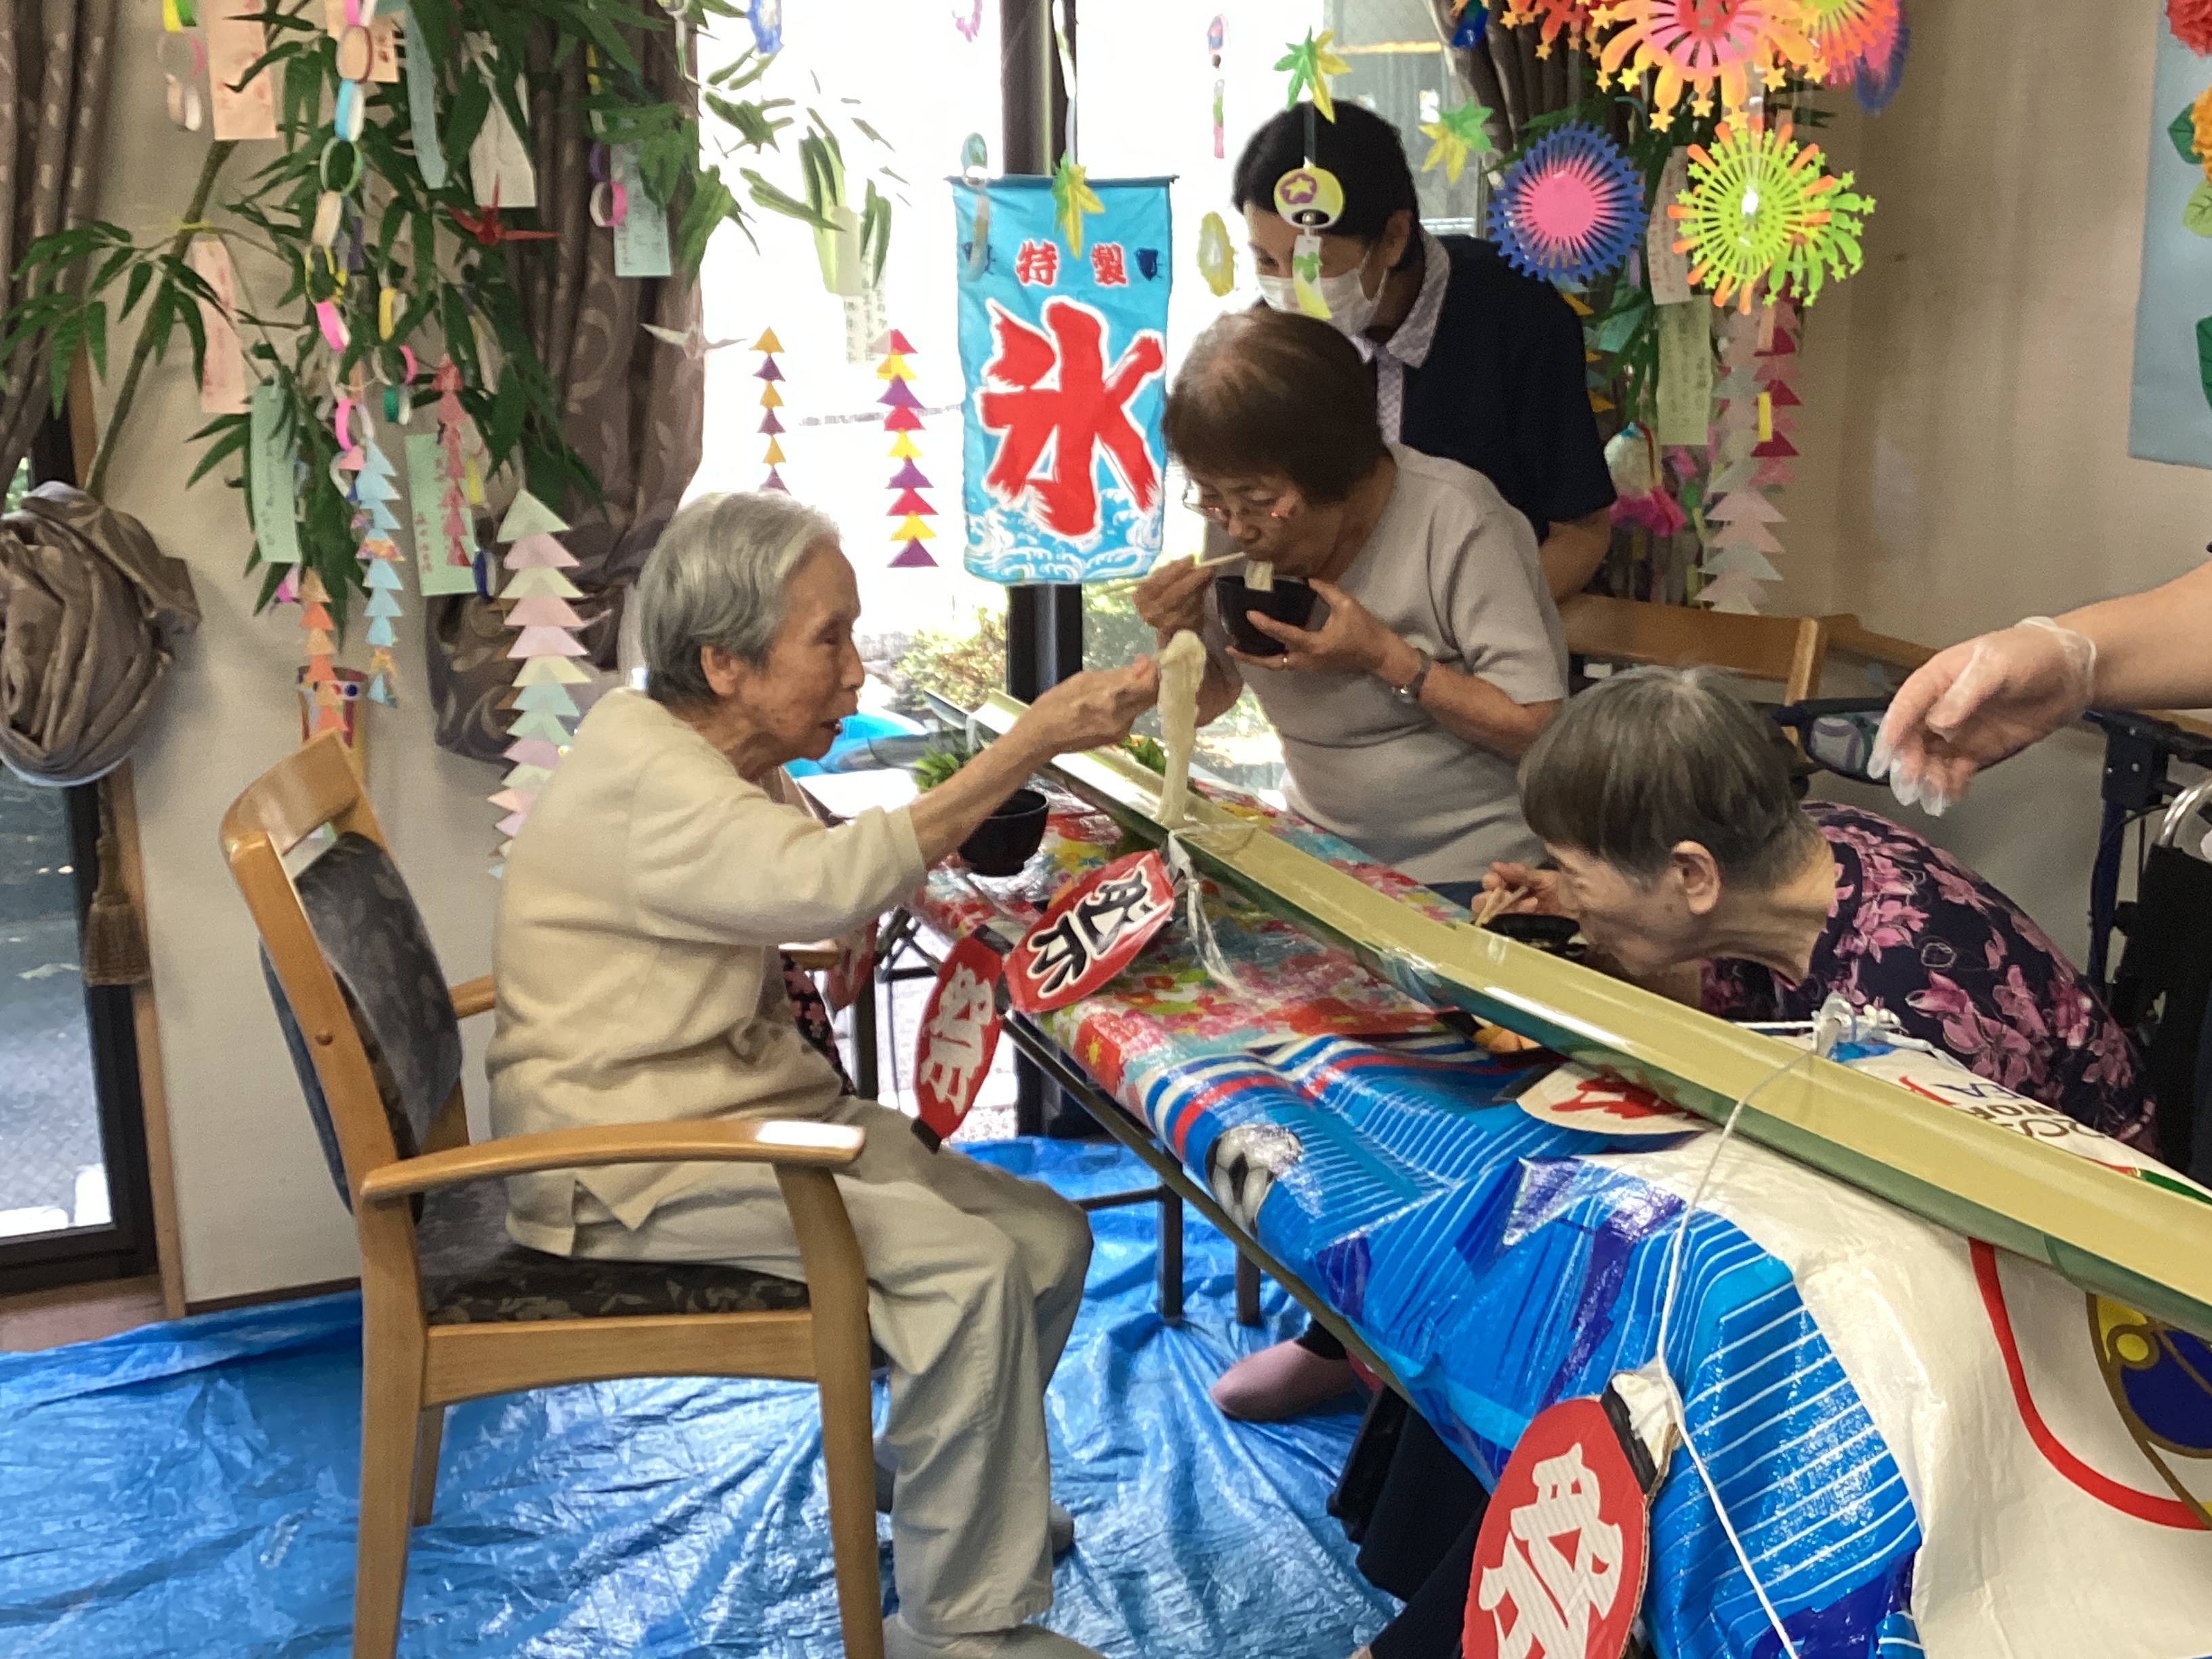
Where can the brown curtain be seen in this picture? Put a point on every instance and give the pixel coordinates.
(1506, 76)
(633, 408)
(90, 610)
(54, 71)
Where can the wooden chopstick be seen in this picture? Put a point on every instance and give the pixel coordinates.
(1495, 901)
(1121, 582)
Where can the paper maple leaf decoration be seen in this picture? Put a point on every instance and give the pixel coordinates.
(1309, 63)
(1454, 135)
(1073, 198)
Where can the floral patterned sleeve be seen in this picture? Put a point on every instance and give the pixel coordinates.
(1961, 967)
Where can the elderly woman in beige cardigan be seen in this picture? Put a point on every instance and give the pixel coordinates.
(638, 980)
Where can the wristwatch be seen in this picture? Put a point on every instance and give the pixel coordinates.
(1411, 691)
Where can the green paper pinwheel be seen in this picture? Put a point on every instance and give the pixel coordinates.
(1310, 63)
(1456, 136)
(1073, 198)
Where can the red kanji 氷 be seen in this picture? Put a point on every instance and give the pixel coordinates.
(1087, 410)
(1109, 266)
(1038, 263)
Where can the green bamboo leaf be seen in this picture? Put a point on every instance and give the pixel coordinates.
(231, 443)
(508, 410)
(95, 336)
(470, 105)
(766, 195)
(2204, 357)
(136, 290)
(61, 346)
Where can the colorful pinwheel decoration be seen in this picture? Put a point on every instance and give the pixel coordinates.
(1846, 33)
(1702, 45)
(1071, 198)
(1309, 63)
(1455, 137)
(1571, 207)
(1572, 18)
(1758, 209)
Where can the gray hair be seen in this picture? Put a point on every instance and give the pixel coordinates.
(716, 577)
(1655, 756)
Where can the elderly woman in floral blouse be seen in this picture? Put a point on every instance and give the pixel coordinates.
(1664, 798)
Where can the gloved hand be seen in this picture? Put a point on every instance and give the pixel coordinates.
(1977, 702)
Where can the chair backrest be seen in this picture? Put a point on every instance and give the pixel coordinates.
(358, 989)
(1787, 650)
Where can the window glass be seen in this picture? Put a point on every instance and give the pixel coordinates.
(914, 78)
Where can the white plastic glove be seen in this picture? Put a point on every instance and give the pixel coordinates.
(1977, 702)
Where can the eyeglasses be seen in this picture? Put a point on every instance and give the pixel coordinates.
(1223, 510)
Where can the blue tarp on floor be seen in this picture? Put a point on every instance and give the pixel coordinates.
(190, 1489)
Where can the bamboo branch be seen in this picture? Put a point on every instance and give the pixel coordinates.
(218, 153)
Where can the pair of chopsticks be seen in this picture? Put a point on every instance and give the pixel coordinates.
(1117, 584)
(1495, 901)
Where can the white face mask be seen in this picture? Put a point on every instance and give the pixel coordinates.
(1350, 308)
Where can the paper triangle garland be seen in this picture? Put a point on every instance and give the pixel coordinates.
(529, 516)
(544, 611)
(537, 551)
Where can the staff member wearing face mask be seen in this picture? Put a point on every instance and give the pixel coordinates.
(1472, 361)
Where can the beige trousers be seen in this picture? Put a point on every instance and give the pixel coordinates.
(975, 1278)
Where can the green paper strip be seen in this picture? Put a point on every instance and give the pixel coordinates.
(1686, 372)
(426, 483)
(642, 239)
(269, 473)
(423, 106)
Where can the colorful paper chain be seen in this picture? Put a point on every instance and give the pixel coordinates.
(1571, 208)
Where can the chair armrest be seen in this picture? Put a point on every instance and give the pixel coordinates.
(821, 953)
(473, 996)
(795, 1144)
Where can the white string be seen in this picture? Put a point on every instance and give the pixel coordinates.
(1674, 1406)
(1210, 954)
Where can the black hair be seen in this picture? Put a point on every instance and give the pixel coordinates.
(1359, 147)
(1647, 759)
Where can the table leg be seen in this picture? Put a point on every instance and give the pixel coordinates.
(865, 1081)
(1171, 1256)
(1247, 1290)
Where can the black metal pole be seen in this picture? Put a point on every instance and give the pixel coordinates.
(1045, 621)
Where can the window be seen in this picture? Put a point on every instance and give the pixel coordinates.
(74, 1200)
(914, 76)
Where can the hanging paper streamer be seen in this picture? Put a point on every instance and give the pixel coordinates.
(1759, 210)
(318, 645)
(641, 229)
(437, 489)
(183, 61)
(500, 169)
(222, 387)
(1667, 271)
(423, 106)
(1703, 46)
(271, 462)
(771, 400)
(1063, 359)
(903, 419)
(1217, 36)
(537, 596)
(1310, 198)
(235, 42)
(1736, 513)
(1686, 372)
(1458, 136)
(1571, 208)
(374, 491)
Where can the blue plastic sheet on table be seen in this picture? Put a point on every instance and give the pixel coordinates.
(190, 1489)
(1496, 1271)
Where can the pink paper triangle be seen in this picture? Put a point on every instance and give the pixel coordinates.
(510, 823)
(544, 611)
(533, 751)
(535, 552)
(545, 643)
(911, 501)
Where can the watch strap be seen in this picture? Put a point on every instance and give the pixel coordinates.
(1411, 691)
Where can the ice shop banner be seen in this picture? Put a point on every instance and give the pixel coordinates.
(1063, 344)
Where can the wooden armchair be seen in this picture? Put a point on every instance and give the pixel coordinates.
(452, 1309)
(1787, 650)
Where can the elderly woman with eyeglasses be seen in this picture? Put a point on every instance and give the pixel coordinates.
(1435, 655)
(639, 922)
